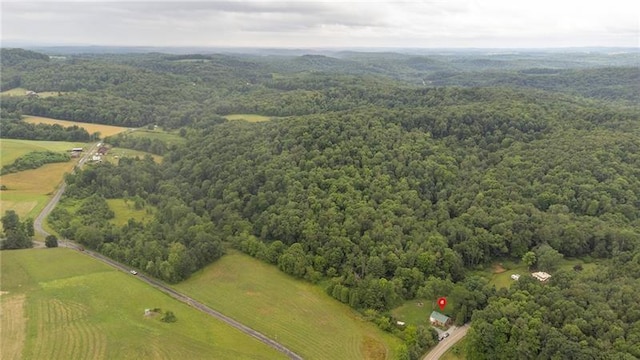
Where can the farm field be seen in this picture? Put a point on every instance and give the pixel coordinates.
(248, 117)
(60, 304)
(126, 210)
(23, 91)
(104, 130)
(28, 191)
(299, 315)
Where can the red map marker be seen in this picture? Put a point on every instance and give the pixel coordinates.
(442, 302)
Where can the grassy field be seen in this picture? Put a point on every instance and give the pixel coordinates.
(62, 304)
(168, 137)
(298, 314)
(23, 92)
(126, 210)
(248, 117)
(117, 153)
(104, 130)
(28, 191)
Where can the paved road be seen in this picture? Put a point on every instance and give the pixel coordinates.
(153, 282)
(445, 344)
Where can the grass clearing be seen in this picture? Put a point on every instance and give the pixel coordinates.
(170, 138)
(416, 312)
(248, 117)
(23, 92)
(125, 210)
(298, 314)
(104, 130)
(116, 153)
(73, 312)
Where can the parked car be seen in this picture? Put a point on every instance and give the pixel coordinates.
(133, 272)
(445, 335)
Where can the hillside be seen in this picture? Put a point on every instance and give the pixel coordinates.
(381, 190)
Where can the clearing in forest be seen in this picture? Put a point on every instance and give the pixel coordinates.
(248, 117)
(296, 313)
(104, 130)
(73, 311)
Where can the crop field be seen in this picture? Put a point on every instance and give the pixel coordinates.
(23, 92)
(126, 210)
(60, 304)
(298, 314)
(168, 137)
(248, 117)
(104, 130)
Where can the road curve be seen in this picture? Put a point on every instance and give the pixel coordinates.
(37, 223)
(153, 282)
(447, 343)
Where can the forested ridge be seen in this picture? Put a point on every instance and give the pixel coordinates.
(387, 191)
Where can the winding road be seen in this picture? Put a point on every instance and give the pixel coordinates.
(151, 281)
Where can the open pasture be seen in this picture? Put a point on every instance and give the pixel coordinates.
(61, 304)
(298, 314)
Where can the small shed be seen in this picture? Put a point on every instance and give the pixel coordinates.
(515, 276)
(439, 319)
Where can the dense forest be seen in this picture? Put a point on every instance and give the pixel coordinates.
(383, 187)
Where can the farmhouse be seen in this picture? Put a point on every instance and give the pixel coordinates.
(439, 319)
(540, 275)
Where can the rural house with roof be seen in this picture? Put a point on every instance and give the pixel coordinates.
(439, 319)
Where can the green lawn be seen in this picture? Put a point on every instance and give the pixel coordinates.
(248, 117)
(298, 314)
(62, 304)
(126, 210)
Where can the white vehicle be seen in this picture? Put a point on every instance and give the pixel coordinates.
(133, 272)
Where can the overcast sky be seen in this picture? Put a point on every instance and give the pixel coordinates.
(327, 23)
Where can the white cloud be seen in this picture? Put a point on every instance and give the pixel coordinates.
(264, 23)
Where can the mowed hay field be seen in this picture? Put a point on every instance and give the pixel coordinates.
(298, 314)
(62, 304)
(104, 130)
(28, 191)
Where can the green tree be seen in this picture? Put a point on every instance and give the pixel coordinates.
(51, 241)
(529, 258)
